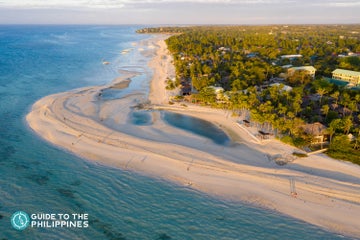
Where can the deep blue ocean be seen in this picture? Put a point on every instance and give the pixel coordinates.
(37, 177)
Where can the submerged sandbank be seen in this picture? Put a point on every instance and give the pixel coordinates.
(328, 191)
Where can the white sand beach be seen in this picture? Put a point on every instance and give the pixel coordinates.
(328, 190)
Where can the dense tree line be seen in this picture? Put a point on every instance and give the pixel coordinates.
(242, 60)
(248, 53)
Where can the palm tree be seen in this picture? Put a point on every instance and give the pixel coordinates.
(357, 139)
(325, 109)
(335, 95)
(347, 123)
(331, 131)
(321, 92)
(345, 101)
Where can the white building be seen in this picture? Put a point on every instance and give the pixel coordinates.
(310, 70)
(285, 88)
(347, 75)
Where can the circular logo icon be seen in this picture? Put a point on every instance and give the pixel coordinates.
(20, 220)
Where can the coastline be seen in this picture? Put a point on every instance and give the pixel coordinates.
(328, 191)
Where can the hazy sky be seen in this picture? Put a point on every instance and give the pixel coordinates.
(179, 11)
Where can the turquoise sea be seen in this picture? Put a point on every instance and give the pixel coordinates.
(37, 177)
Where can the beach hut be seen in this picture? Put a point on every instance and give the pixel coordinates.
(317, 131)
(264, 135)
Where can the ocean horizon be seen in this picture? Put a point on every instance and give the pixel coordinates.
(38, 177)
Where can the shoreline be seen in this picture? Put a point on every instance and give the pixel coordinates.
(328, 191)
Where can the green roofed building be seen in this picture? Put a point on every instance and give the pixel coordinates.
(347, 75)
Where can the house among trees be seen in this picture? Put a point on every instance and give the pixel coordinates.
(346, 75)
(309, 70)
(317, 131)
(292, 56)
(284, 87)
(219, 92)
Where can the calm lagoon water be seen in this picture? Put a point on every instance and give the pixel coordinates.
(197, 126)
(141, 118)
(37, 177)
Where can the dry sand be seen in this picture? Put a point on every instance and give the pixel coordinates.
(328, 191)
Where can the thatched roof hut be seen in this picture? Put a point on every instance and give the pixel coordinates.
(316, 130)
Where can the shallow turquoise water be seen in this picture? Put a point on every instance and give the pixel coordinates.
(38, 177)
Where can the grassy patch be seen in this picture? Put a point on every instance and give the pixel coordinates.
(348, 154)
(294, 141)
(301, 155)
(341, 148)
(287, 140)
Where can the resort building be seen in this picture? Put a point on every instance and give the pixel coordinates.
(347, 75)
(310, 70)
